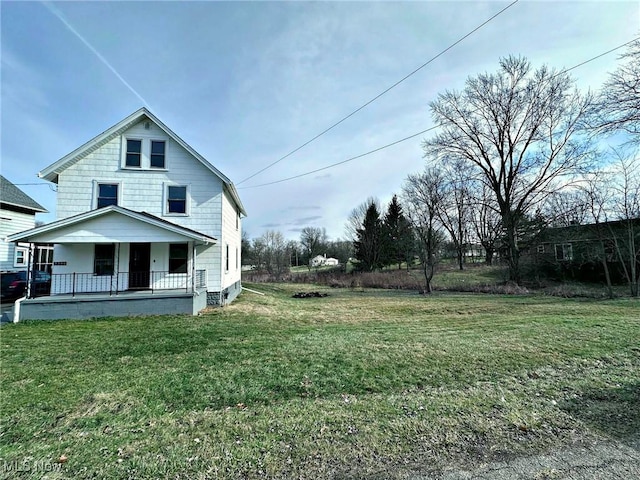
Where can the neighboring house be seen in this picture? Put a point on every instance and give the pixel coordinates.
(322, 260)
(17, 213)
(580, 251)
(143, 220)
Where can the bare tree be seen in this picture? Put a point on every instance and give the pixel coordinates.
(564, 208)
(627, 209)
(356, 217)
(274, 252)
(596, 198)
(613, 197)
(313, 240)
(518, 128)
(485, 220)
(619, 100)
(422, 195)
(455, 209)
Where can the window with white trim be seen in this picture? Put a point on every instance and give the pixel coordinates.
(158, 149)
(226, 258)
(133, 157)
(177, 199)
(106, 194)
(20, 257)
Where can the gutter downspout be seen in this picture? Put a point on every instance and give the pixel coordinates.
(16, 309)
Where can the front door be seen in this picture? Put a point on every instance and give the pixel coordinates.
(139, 265)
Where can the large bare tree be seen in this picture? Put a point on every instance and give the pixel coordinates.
(519, 128)
(619, 99)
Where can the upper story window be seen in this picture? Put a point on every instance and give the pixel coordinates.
(107, 195)
(134, 153)
(176, 199)
(144, 153)
(157, 154)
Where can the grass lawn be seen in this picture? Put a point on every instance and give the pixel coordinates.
(375, 384)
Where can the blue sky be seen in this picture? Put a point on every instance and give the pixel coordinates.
(245, 83)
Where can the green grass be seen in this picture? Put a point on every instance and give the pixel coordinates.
(357, 384)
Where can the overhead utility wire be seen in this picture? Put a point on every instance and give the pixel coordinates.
(382, 93)
(421, 132)
(343, 161)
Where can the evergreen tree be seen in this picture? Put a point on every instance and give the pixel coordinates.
(398, 235)
(368, 245)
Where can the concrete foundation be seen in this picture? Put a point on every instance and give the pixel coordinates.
(225, 297)
(94, 306)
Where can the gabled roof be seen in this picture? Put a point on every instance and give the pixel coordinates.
(12, 195)
(51, 172)
(92, 214)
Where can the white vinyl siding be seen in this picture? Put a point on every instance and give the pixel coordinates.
(231, 236)
(143, 190)
(12, 222)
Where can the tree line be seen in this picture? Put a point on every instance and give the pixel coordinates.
(515, 151)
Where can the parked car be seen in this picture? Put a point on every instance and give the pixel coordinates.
(14, 284)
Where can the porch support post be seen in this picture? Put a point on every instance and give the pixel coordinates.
(30, 261)
(193, 269)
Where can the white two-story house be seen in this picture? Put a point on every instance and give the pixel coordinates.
(145, 225)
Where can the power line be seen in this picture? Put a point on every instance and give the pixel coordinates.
(421, 132)
(343, 161)
(382, 93)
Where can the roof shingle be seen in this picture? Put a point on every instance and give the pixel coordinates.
(12, 195)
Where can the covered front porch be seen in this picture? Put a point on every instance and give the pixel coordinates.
(115, 262)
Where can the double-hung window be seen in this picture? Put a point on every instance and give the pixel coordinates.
(20, 257)
(107, 195)
(104, 259)
(134, 153)
(178, 257)
(157, 154)
(176, 199)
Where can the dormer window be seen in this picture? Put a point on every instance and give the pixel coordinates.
(134, 153)
(157, 154)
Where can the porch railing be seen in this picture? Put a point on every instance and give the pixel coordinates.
(85, 283)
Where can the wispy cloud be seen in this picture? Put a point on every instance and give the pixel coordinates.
(70, 27)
